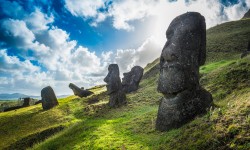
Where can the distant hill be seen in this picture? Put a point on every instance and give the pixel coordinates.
(15, 96)
(6, 96)
(247, 14)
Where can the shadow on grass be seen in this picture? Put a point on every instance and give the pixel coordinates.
(30, 140)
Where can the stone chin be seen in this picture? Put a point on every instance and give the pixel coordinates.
(112, 88)
(172, 80)
(109, 90)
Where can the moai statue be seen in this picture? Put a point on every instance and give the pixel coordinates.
(79, 91)
(49, 99)
(114, 87)
(131, 80)
(181, 57)
(26, 102)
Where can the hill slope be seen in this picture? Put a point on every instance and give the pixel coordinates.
(95, 126)
(6, 96)
(229, 37)
(83, 123)
(247, 14)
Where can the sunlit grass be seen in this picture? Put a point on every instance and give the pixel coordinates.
(133, 126)
(96, 126)
(212, 66)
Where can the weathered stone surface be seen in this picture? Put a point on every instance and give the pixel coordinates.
(131, 80)
(114, 87)
(183, 53)
(79, 91)
(247, 52)
(38, 102)
(49, 99)
(117, 99)
(26, 101)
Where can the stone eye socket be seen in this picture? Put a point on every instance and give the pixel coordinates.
(174, 57)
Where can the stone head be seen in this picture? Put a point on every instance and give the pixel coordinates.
(75, 89)
(132, 77)
(138, 73)
(183, 53)
(71, 86)
(113, 79)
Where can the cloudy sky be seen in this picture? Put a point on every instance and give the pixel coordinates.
(44, 42)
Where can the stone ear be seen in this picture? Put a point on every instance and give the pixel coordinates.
(202, 52)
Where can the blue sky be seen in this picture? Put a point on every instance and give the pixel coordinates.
(45, 42)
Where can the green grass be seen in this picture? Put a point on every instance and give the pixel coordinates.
(229, 37)
(230, 76)
(132, 126)
(96, 126)
(151, 65)
(7, 103)
(212, 66)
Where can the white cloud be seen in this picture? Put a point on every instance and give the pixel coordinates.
(148, 52)
(127, 58)
(235, 12)
(125, 12)
(16, 33)
(87, 9)
(38, 21)
(84, 8)
(12, 65)
(85, 58)
(61, 61)
(22, 76)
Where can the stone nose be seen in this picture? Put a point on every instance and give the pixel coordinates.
(169, 56)
(106, 79)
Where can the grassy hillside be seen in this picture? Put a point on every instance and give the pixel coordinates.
(96, 126)
(88, 123)
(229, 37)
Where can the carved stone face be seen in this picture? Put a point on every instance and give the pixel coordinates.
(113, 79)
(133, 77)
(182, 54)
(131, 80)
